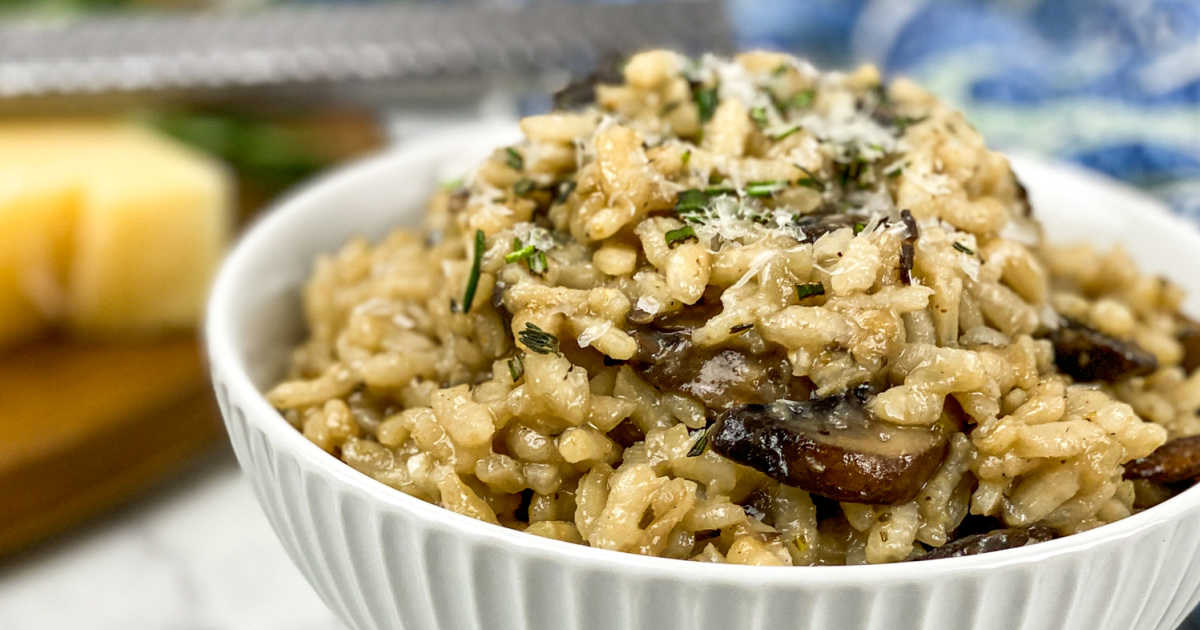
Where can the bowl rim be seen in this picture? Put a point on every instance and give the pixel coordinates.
(233, 374)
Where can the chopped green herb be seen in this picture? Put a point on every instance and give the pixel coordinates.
(759, 116)
(691, 200)
(523, 186)
(764, 188)
(894, 171)
(473, 278)
(519, 253)
(452, 185)
(715, 178)
(810, 289)
(680, 234)
(706, 102)
(516, 367)
(964, 249)
(785, 133)
(740, 328)
(564, 190)
(811, 181)
(537, 339)
(859, 227)
(802, 99)
(685, 158)
(668, 108)
(717, 191)
(701, 444)
(538, 263)
(514, 159)
(902, 123)
(781, 69)
(534, 257)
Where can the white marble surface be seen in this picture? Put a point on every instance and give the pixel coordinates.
(195, 555)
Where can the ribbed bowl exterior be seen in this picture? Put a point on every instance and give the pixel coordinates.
(380, 559)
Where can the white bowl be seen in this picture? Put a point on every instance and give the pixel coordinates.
(382, 559)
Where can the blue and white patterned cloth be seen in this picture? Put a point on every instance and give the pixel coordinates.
(1110, 84)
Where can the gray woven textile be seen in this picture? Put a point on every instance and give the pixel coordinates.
(340, 46)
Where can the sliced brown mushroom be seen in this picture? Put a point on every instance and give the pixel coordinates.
(1177, 460)
(1087, 354)
(718, 377)
(832, 447)
(1189, 336)
(995, 540)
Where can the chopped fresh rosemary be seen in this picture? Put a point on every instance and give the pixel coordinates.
(565, 189)
(534, 257)
(538, 263)
(514, 159)
(685, 158)
(717, 191)
(706, 102)
(701, 444)
(964, 249)
(809, 289)
(473, 279)
(811, 181)
(785, 133)
(759, 116)
(680, 234)
(764, 188)
(519, 253)
(902, 123)
(516, 367)
(740, 328)
(537, 339)
(802, 99)
(523, 186)
(895, 170)
(691, 200)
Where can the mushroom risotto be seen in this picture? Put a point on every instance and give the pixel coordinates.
(744, 311)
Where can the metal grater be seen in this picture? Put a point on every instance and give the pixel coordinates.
(370, 54)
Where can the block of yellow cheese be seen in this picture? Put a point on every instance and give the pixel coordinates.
(35, 234)
(105, 228)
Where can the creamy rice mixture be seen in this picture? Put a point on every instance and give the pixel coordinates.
(744, 311)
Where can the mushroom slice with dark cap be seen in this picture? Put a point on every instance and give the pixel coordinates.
(832, 447)
(1177, 460)
(995, 540)
(718, 377)
(1087, 354)
(1189, 337)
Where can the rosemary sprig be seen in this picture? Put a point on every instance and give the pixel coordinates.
(473, 278)
(809, 289)
(538, 340)
(514, 159)
(679, 235)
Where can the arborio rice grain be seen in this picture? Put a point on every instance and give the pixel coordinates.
(660, 271)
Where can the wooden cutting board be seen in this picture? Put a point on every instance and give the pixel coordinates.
(84, 426)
